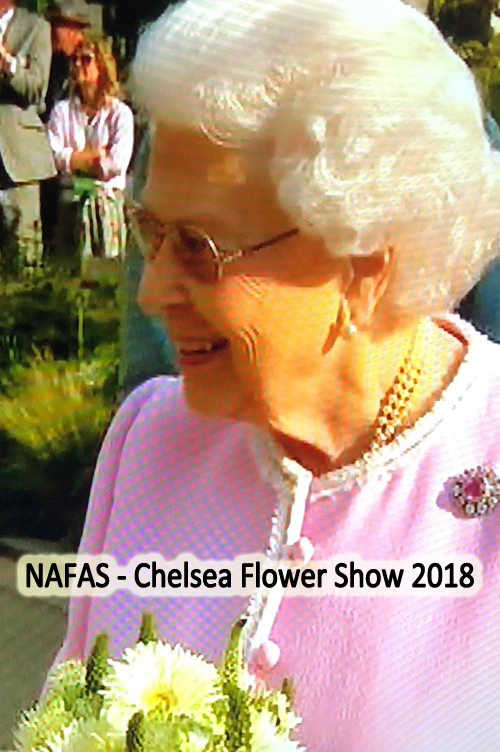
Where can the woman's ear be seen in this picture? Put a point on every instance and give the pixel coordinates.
(369, 279)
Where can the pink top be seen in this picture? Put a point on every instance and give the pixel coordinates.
(381, 674)
(112, 129)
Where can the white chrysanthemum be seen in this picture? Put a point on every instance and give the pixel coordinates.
(91, 735)
(67, 683)
(64, 702)
(267, 738)
(288, 720)
(43, 738)
(70, 673)
(41, 724)
(159, 677)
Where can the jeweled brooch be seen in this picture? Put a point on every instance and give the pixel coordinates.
(477, 491)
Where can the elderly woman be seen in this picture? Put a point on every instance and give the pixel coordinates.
(321, 192)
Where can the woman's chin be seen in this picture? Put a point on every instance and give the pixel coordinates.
(207, 399)
(216, 401)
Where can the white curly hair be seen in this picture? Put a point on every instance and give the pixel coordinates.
(377, 126)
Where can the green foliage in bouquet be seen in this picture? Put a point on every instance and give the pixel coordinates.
(235, 704)
(147, 632)
(136, 732)
(95, 671)
(157, 698)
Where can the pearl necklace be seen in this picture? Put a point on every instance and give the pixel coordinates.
(395, 407)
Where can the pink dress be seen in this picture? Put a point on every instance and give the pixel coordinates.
(374, 674)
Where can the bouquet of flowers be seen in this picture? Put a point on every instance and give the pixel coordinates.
(157, 698)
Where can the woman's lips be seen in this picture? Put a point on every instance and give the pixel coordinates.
(198, 352)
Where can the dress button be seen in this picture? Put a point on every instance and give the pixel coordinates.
(264, 658)
(301, 551)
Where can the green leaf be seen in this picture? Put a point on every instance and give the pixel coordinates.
(288, 690)
(147, 632)
(237, 702)
(136, 732)
(96, 669)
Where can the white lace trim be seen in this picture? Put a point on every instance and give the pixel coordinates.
(294, 484)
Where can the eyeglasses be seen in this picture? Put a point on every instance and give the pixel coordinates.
(83, 59)
(193, 249)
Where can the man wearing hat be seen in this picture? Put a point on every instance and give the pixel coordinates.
(25, 156)
(68, 20)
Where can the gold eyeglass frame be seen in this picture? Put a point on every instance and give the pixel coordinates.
(220, 257)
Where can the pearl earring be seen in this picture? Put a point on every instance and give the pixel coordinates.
(352, 329)
(348, 327)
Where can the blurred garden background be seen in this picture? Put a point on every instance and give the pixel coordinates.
(59, 357)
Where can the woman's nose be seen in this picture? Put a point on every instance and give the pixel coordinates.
(162, 284)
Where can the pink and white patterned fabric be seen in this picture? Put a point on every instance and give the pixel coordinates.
(380, 674)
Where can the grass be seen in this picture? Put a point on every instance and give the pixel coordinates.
(59, 359)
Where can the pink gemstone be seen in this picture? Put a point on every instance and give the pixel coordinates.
(473, 487)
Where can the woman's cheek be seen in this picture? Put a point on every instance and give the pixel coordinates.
(240, 303)
(245, 351)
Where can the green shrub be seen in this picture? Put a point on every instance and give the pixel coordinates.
(464, 20)
(51, 426)
(56, 313)
(467, 25)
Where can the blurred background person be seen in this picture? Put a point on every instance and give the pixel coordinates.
(145, 348)
(25, 158)
(68, 20)
(92, 135)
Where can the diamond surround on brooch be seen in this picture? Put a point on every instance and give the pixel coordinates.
(477, 491)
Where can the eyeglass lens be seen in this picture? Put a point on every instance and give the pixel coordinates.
(195, 253)
(192, 249)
